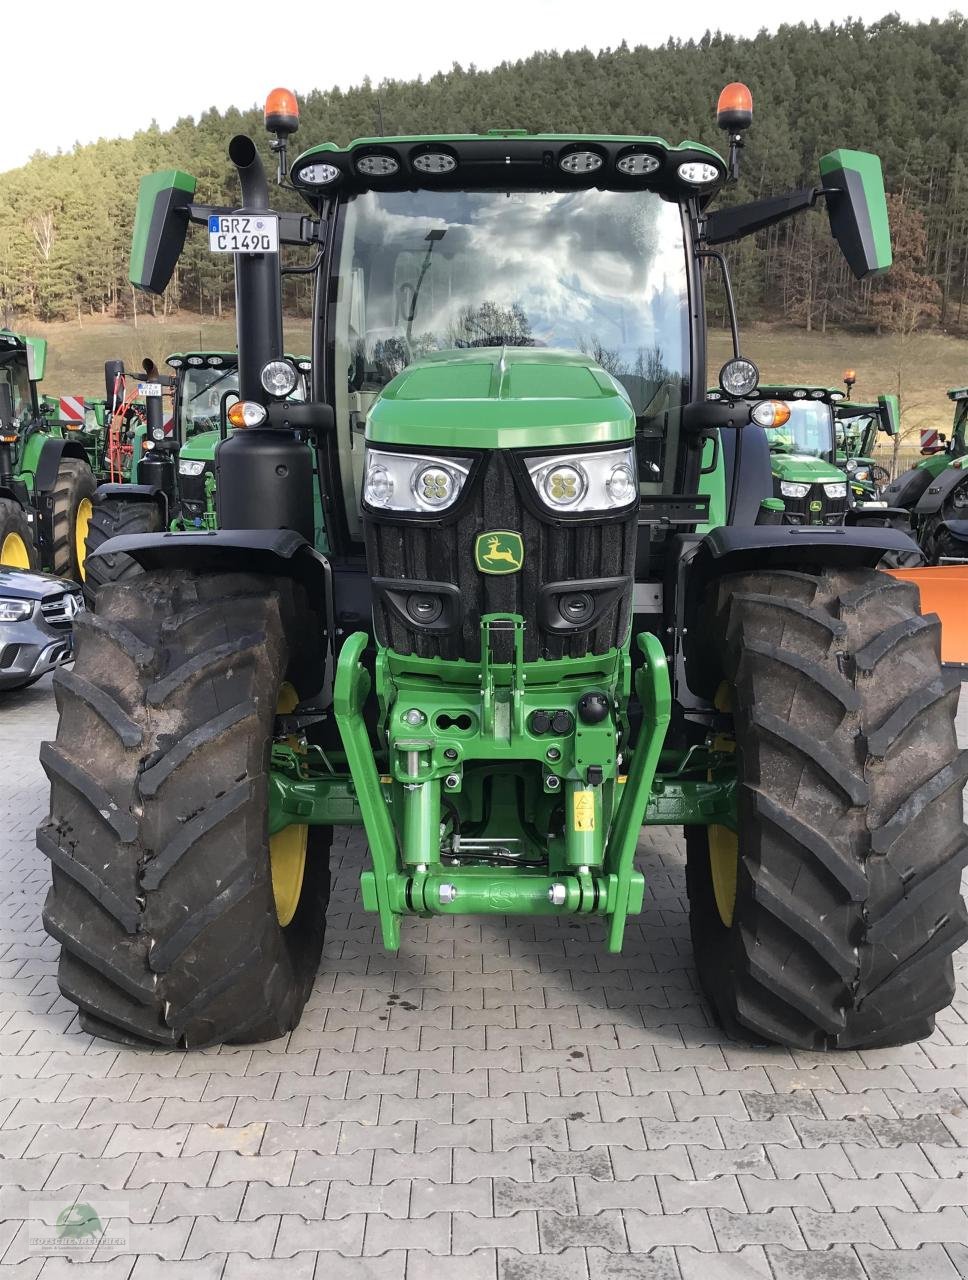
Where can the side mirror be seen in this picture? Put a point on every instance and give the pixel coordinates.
(853, 183)
(113, 382)
(160, 226)
(890, 418)
(36, 358)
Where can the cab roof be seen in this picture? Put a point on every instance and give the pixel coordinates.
(798, 391)
(504, 159)
(222, 358)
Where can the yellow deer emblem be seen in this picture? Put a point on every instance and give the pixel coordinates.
(499, 552)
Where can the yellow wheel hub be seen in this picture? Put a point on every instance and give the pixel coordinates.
(82, 520)
(723, 868)
(287, 848)
(14, 553)
(723, 843)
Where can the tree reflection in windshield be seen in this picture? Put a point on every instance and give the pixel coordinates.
(593, 271)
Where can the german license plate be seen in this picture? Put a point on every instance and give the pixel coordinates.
(243, 233)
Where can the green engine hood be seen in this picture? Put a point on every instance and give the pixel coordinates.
(200, 447)
(803, 468)
(502, 398)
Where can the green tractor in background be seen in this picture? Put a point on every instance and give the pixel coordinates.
(935, 490)
(170, 477)
(206, 387)
(475, 596)
(46, 481)
(858, 426)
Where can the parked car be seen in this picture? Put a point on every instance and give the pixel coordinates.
(37, 614)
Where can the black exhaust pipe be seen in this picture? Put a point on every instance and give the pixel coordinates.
(258, 282)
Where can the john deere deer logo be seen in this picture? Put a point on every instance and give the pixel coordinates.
(500, 551)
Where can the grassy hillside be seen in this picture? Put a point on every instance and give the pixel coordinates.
(928, 365)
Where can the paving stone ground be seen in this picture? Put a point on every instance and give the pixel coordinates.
(502, 1100)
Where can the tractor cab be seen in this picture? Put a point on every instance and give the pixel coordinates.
(957, 446)
(858, 426)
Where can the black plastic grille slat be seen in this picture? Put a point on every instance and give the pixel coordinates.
(553, 553)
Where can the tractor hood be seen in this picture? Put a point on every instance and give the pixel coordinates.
(200, 447)
(502, 398)
(804, 468)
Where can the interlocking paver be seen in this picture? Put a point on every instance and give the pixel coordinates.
(503, 1093)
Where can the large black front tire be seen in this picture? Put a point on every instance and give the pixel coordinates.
(162, 896)
(72, 497)
(838, 926)
(111, 518)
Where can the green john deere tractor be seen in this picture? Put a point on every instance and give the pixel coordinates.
(46, 482)
(530, 632)
(935, 491)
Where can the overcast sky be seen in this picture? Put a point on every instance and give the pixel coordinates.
(77, 70)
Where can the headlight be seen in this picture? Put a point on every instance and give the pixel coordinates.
(585, 482)
(738, 377)
(190, 466)
(278, 377)
(15, 610)
(861, 473)
(837, 490)
(318, 175)
(791, 490)
(697, 174)
(405, 482)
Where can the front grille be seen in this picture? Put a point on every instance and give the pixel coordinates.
(831, 510)
(589, 551)
(60, 610)
(191, 492)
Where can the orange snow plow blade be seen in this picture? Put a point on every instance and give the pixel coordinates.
(944, 591)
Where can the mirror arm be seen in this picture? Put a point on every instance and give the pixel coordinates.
(745, 219)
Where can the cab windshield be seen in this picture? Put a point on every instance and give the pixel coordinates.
(857, 435)
(201, 392)
(14, 374)
(809, 432)
(959, 430)
(598, 272)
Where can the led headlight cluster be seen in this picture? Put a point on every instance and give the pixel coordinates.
(408, 482)
(585, 481)
(836, 490)
(15, 610)
(190, 466)
(790, 489)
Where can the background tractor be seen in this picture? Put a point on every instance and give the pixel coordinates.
(935, 491)
(171, 460)
(46, 482)
(858, 426)
(545, 615)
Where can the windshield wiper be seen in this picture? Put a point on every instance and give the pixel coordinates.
(221, 378)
